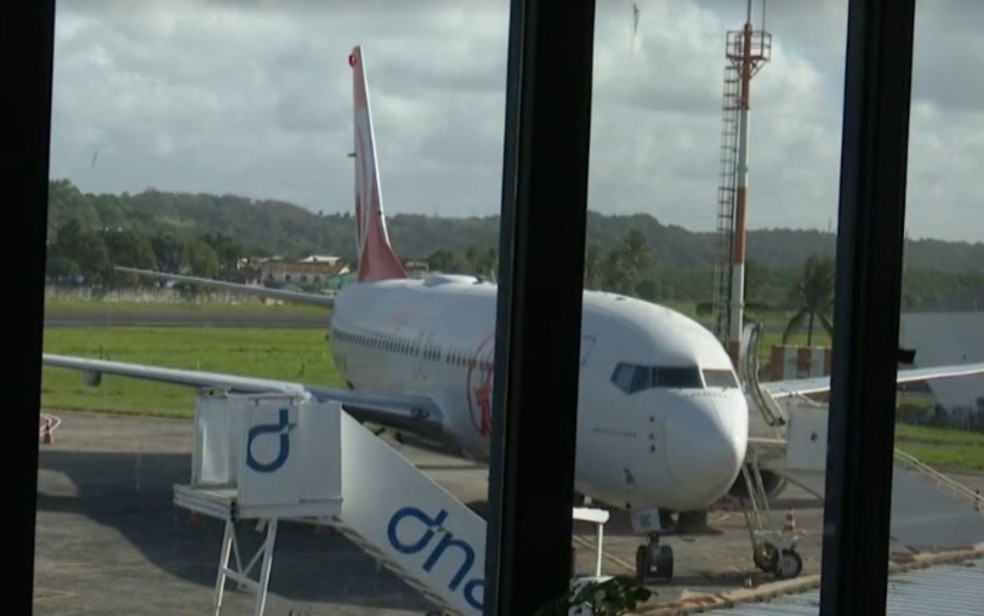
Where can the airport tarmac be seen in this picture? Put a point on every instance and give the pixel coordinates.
(110, 541)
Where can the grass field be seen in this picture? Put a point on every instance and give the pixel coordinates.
(238, 308)
(942, 448)
(294, 354)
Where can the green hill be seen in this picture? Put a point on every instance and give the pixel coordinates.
(678, 264)
(284, 228)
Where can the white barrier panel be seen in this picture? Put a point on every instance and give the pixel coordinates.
(218, 430)
(289, 453)
(414, 521)
(275, 450)
(806, 436)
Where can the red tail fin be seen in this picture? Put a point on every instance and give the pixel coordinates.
(377, 259)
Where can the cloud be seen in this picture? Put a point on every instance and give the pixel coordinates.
(253, 97)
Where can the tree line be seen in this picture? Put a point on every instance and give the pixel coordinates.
(209, 235)
(290, 230)
(631, 269)
(80, 255)
(77, 255)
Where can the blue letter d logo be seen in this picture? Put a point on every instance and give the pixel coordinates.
(281, 428)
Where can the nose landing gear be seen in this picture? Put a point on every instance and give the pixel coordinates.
(654, 561)
(783, 562)
(789, 565)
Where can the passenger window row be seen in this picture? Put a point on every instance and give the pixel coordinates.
(395, 344)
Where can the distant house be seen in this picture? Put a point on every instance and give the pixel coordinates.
(416, 268)
(320, 259)
(313, 270)
(337, 282)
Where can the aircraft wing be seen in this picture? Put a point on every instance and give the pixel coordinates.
(773, 447)
(771, 452)
(249, 289)
(414, 414)
(818, 385)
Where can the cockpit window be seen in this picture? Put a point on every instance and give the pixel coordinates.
(677, 378)
(642, 378)
(720, 378)
(623, 376)
(632, 378)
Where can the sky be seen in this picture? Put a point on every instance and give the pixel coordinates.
(254, 98)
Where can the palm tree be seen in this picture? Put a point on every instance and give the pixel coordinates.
(813, 298)
(593, 274)
(626, 263)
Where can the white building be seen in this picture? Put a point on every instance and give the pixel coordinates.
(944, 338)
(314, 270)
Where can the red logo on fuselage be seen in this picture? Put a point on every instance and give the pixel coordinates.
(479, 387)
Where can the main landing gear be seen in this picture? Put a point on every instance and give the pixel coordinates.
(654, 561)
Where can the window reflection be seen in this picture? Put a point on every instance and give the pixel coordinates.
(939, 430)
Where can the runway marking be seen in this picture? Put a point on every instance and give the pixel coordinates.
(605, 554)
(721, 517)
(41, 594)
(630, 567)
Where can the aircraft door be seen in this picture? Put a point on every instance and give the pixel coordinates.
(424, 356)
(587, 345)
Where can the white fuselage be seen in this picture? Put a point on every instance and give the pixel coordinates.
(655, 427)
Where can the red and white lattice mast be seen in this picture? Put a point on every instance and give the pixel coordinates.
(746, 51)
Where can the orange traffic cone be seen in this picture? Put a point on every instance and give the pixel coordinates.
(47, 436)
(790, 525)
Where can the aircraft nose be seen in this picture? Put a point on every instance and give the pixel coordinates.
(705, 446)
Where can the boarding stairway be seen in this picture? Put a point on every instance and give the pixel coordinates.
(778, 419)
(913, 464)
(791, 441)
(748, 372)
(276, 457)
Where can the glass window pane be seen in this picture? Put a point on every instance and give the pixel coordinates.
(677, 377)
(719, 378)
(623, 377)
(939, 431)
(641, 379)
(225, 147)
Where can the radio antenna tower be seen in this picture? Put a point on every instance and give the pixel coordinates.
(746, 51)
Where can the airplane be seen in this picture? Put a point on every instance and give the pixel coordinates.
(662, 420)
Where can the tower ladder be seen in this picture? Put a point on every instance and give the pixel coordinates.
(727, 180)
